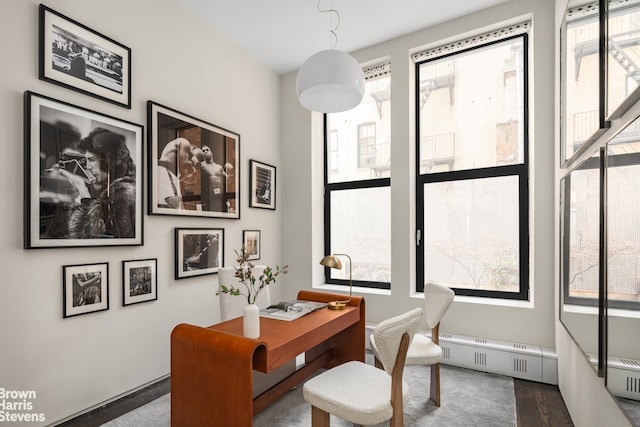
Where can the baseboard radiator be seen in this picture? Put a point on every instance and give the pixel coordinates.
(529, 362)
(623, 376)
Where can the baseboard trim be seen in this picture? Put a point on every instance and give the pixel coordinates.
(77, 418)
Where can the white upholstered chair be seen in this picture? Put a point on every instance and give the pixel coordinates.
(361, 393)
(231, 306)
(426, 350)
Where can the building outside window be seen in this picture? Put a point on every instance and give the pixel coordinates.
(367, 145)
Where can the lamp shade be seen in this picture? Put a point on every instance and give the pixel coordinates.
(330, 81)
(331, 262)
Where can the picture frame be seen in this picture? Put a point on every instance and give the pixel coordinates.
(199, 251)
(82, 177)
(85, 288)
(204, 180)
(262, 190)
(76, 57)
(251, 244)
(139, 281)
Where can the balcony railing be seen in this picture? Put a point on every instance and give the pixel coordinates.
(437, 150)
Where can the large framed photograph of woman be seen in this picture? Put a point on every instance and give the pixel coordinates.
(199, 251)
(83, 177)
(85, 288)
(74, 56)
(193, 166)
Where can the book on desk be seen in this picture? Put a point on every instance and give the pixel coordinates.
(291, 310)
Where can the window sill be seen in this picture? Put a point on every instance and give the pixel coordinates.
(358, 290)
(487, 301)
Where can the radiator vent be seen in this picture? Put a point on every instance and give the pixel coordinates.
(446, 352)
(480, 359)
(521, 347)
(480, 341)
(633, 384)
(520, 365)
(445, 336)
(631, 363)
(623, 376)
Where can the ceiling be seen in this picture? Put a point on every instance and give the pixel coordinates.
(282, 34)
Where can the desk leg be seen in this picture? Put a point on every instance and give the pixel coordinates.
(347, 345)
(211, 378)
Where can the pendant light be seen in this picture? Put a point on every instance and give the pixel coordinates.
(331, 80)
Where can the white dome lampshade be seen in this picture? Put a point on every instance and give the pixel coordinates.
(330, 81)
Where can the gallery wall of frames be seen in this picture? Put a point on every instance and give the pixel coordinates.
(83, 180)
(599, 198)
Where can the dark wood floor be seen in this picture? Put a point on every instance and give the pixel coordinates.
(112, 410)
(537, 405)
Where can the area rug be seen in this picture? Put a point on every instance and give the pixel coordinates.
(468, 398)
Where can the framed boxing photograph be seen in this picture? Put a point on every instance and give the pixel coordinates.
(199, 251)
(76, 57)
(194, 166)
(85, 288)
(83, 177)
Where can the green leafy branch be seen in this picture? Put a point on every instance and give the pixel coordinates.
(251, 286)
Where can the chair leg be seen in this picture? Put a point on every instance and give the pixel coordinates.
(435, 384)
(397, 420)
(319, 418)
(377, 363)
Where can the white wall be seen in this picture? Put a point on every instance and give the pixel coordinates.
(75, 363)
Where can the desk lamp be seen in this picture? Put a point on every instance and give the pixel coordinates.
(332, 261)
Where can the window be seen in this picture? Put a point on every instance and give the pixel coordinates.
(472, 195)
(358, 185)
(366, 145)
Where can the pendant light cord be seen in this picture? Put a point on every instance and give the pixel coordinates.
(333, 30)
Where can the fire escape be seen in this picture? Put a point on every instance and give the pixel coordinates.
(437, 149)
(585, 121)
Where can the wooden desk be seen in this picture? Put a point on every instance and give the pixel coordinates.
(211, 368)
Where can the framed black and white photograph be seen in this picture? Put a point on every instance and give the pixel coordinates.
(85, 288)
(193, 166)
(251, 244)
(76, 57)
(262, 192)
(83, 177)
(139, 281)
(199, 251)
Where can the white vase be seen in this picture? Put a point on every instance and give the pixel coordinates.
(251, 321)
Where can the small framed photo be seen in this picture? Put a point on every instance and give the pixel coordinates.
(83, 177)
(139, 281)
(199, 251)
(85, 288)
(76, 57)
(263, 185)
(193, 166)
(251, 243)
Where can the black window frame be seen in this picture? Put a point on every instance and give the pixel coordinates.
(520, 170)
(338, 186)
